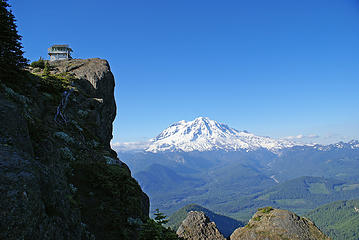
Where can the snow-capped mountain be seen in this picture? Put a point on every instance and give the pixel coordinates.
(353, 144)
(204, 134)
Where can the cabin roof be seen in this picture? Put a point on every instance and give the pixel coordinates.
(61, 46)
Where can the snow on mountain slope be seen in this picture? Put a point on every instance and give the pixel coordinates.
(353, 144)
(204, 134)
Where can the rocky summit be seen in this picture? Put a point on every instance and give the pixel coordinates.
(59, 178)
(197, 226)
(276, 224)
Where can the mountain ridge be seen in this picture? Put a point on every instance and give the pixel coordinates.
(204, 134)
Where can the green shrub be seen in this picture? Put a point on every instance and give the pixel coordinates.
(265, 209)
(46, 69)
(257, 218)
(39, 63)
(55, 84)
(153, 229)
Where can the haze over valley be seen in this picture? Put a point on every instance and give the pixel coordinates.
(235, 172)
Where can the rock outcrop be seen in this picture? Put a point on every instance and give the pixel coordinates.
(225, 225)
(101, 107)
(59, 178)
(197, 226)
(276, 224)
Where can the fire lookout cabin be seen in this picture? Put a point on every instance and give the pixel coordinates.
(60, 52)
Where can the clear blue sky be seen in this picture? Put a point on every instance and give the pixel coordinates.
(276, 68)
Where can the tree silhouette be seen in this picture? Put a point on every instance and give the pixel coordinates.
(153, 229)
(160, 217)
(11, 55)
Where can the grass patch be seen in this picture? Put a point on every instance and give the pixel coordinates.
(265, 209)
(55, 83)
(257, 218)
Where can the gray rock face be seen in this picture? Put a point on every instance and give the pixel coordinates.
(24, 213)
(276, 224)
(102, 105)
(60, 179)
(197, 226)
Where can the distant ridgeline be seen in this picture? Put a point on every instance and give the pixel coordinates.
(235, 183)
(235, 172)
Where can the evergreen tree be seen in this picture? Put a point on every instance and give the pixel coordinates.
(153, 229)
(160, 217)
(11, 55)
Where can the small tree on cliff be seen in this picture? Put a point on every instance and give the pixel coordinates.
(160, 217)
(11, 55)
(153, 229)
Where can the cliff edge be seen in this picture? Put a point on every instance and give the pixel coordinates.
(59, 178)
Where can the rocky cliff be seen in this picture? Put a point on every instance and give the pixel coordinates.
(276, 224)
(59, 178)
(197, 226)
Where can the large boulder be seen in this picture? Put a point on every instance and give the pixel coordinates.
(197, 226)
(277, 224)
